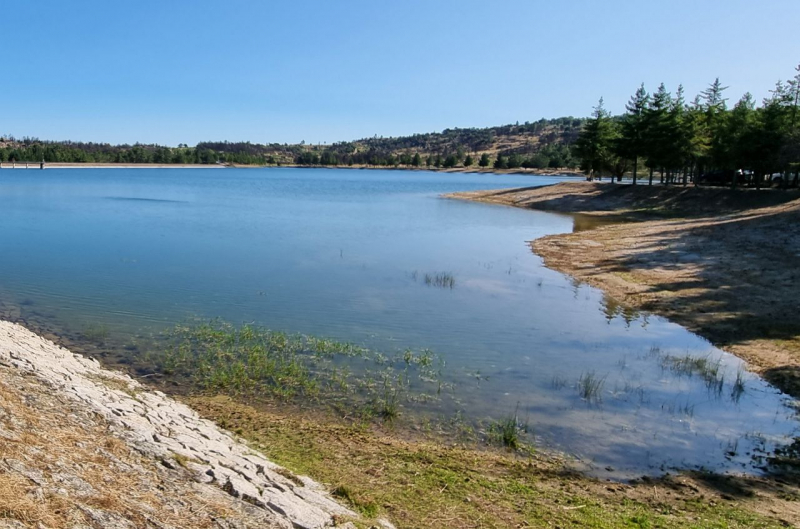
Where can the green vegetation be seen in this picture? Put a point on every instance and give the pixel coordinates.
(507, 432)
(97, 333)
(541, 144)
(705, 367)
(420, 484)
(702, 141)
(251, 361)
(590, 387)
(738, 385)
(440, 279)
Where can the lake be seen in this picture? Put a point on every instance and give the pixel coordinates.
(345, 254)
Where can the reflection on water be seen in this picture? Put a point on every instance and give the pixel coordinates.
(114, 257)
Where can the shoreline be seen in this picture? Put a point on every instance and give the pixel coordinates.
(453, 170)
(34, 166)
(416, 481)
(102, 449)
(707, 259)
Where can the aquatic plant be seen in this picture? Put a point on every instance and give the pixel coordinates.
(95, 332)
(386, 405)
(682, 409)
(590, 386)
(704, 367)
(252, 361)
(558, 382)
(507, 431)
(738, 386)
(440, 279)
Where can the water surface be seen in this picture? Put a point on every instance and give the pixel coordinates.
(343, 253)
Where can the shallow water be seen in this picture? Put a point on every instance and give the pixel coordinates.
(343, 254)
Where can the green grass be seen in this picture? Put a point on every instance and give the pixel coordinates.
(254, 362)
(96, 333)
(507, 432)
(440, 279)
(704, 367)
(590, 387)
(738, 386)
(422, 484)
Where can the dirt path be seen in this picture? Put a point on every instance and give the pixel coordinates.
(724, 264)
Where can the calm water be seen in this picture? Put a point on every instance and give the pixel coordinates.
(342, 253)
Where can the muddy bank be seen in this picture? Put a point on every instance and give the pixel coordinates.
(722, 263)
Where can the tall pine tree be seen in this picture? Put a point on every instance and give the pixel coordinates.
(631, 142)
(595, 144)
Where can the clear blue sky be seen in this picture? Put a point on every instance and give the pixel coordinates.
(174, 71)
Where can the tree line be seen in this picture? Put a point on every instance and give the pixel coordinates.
(703, 141)
(541, 144)
(33, 150)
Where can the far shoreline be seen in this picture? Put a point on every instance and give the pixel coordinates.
(565, 172)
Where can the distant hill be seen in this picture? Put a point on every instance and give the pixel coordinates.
(541, 144)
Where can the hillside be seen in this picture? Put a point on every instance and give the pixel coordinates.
(541, 144)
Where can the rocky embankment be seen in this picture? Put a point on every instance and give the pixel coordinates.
(83, 446)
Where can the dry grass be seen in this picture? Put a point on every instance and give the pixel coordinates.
(17, 502)
(61, 467)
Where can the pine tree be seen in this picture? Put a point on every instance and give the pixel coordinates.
(484, 161)
(741, 129)
(714, 107)
(655, 124)
(631, 143)
(596, 141)
(678, 142)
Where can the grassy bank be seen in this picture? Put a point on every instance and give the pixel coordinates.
(721, 263)
(294, 398)
(420, 483)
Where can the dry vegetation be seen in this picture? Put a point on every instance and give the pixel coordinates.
(61, 467)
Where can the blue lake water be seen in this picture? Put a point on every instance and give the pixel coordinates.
(343, 253)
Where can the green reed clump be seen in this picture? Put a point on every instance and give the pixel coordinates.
(704, 367)
(440, 279)
(738, 386)
(590, 386)
(508, 431)
(218, 357)
(95, 333)
(386, 404)
(558, 382)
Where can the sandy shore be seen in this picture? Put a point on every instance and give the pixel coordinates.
(722, 264)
